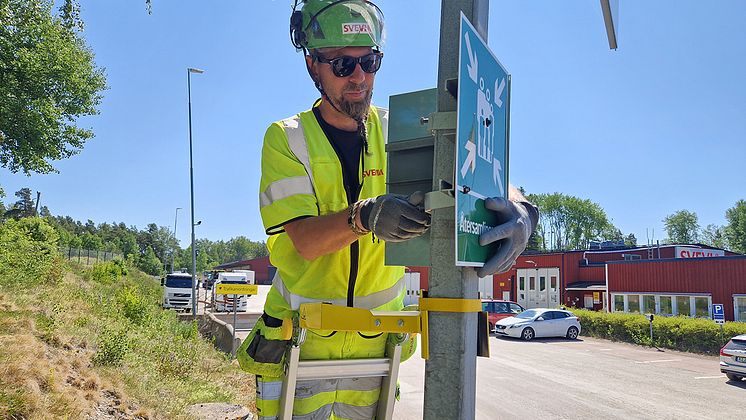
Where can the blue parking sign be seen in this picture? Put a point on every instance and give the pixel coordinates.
(718, 313)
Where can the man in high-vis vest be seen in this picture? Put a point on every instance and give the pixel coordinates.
(324, 205)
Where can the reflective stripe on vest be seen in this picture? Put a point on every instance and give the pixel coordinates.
(370, 301)
(341, 410)
(297, 142)
(309, 388)
(285, 188)
(268, 391)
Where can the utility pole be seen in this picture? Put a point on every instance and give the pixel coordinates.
(38, 199)
(191, 189)
(450, 372)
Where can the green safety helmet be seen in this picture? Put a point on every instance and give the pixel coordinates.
(336, 24)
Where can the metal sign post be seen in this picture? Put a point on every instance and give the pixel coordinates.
(450, 371)
(718, 315)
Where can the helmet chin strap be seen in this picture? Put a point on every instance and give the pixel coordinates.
(361, 127)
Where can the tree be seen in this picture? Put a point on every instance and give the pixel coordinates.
(48, 79)
(682, 227)
(24, 207)
(713, 235)
(630, 240)
(149, 262)
(735, 231)
(567, 222)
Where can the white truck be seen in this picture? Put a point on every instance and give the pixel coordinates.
(177, 291)
(223, 303)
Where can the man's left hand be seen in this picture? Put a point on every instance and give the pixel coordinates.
(519, 219)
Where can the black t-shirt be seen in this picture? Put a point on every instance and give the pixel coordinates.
(348, 145)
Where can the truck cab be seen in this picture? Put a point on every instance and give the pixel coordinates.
(177, 291)
(223, 303)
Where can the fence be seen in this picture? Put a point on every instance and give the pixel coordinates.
(88, 256)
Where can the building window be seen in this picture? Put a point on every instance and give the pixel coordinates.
(521, 283)
(542, 283)
(630, 257)
(553, 283)
(633, 303)
(683, 306)
(739, 302)
(532, 283)
(648, 304)
(666, 307)
(701, 307)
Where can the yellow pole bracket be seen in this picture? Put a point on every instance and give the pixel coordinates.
(324, 316)
(442, 305)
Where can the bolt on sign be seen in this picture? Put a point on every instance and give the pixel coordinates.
(482, 130)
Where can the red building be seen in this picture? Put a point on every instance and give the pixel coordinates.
(263, 271)
(666, 279)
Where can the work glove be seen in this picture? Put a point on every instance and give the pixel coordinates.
(395, 218)
(517, 223)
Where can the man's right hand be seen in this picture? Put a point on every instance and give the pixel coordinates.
(395, 218)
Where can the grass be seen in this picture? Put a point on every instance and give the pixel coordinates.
(83, 345)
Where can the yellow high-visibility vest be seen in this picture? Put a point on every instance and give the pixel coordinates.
(302, 176)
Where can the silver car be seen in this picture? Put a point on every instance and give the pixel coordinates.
(733, 358)
(540, 323)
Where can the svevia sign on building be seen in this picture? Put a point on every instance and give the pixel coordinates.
(482, 143)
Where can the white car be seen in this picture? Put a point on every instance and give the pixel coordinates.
(535, 322)
(733, 358)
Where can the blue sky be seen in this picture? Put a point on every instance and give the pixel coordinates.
(654, 127)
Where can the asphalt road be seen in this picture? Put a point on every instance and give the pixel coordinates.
(590, 379)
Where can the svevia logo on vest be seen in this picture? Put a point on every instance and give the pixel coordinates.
(372, 172)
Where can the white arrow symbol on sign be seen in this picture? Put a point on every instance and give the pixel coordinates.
(472, 66)
(496, 168)
(499, 92)
(470, 158)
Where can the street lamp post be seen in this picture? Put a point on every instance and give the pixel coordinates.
(173, 251)
(191, 187)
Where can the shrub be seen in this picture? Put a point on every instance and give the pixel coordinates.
(113, 346)
(107, 272)
(677, 333)
(28, 252)
(134, 307)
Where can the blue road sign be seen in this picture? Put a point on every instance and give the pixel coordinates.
(718, 313)
(482, 130)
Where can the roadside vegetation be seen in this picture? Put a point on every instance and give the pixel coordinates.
(78, 342)
(676, 333)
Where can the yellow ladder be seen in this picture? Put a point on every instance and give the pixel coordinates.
(341, 318)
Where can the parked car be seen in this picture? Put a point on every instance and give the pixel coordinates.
(499, 309)
(733, 358)
(540, 323)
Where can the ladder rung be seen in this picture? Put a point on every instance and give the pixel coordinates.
(331, 369)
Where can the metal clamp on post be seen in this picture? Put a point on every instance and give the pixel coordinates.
(442, 305)
(323, 316)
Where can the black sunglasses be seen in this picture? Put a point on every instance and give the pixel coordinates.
(343, 66)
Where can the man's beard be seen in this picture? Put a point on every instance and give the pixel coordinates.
(357, 110)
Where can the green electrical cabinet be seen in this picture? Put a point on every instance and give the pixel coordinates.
(410, 150)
